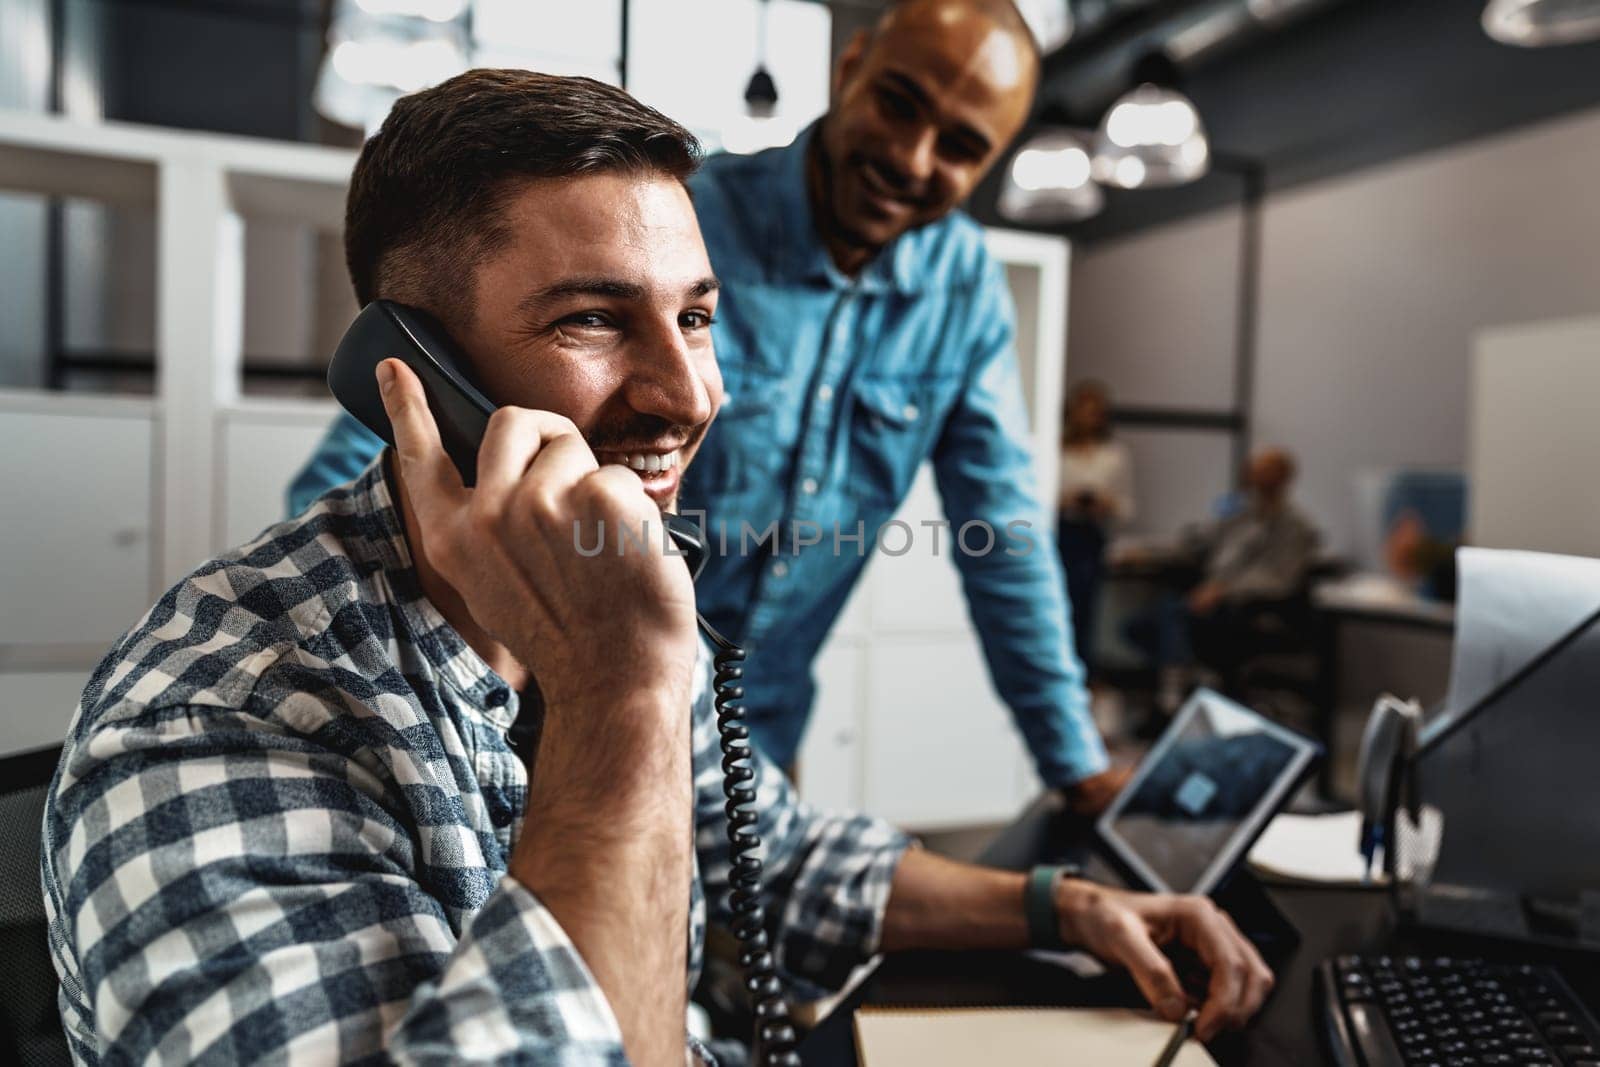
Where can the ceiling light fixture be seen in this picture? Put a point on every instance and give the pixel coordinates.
(1152, 135)
(1050, 22)
(761, 95)
(1536, 23)
(761, 125)
(1050, 180)
(373, 60)
(432, 10)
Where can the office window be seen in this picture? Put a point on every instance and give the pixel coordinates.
(693, 61)
(551, 36)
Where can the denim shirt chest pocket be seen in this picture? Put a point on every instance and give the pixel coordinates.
(892, 423)
(746, 445)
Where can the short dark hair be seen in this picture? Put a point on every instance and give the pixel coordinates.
(428, 188)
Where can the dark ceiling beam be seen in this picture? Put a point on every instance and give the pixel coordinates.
(279, 12)
(1081, 79)
(1361, 84)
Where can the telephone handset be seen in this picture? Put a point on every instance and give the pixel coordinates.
(384, 330)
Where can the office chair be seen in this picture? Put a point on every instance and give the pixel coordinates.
(1279, 669)
(29, 1016)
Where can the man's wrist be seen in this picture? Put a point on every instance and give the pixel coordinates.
(1074, 895)
(1041, 905)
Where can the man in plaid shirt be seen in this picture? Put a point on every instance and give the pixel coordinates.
(309, 808)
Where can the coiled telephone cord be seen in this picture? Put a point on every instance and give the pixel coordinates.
(774, 1036)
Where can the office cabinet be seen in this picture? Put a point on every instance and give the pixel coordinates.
(75, 532)
(263, 445)
(830, 766)
(36, 706)
(76, 549)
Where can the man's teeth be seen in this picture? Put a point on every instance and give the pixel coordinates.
(651, 462)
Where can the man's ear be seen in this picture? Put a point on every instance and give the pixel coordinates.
(849, 61)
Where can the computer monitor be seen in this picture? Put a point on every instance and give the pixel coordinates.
(1515, 783)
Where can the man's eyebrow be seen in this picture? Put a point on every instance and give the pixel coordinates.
(912, 88)
(610, 288)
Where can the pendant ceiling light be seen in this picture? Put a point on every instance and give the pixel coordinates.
(1533, 23)
(761, 94)
(375, 58)
(1050, 181)
(762, 125)
(1152, 135)
(1050, 22)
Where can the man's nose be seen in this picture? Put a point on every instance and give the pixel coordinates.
(913, 156)
(667, 380)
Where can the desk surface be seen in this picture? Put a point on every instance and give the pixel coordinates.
(1378, 597)
(1330, 921)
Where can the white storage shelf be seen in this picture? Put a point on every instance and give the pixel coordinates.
(124, 497)
(116, 499)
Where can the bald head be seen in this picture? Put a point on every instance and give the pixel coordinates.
(924, 104)
(1001, 14)
(1270, 473)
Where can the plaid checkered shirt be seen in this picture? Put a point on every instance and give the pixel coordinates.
(280, 828)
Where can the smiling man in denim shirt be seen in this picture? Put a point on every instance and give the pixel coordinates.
(865, 329)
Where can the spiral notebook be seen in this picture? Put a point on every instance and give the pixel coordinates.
(937, 1037)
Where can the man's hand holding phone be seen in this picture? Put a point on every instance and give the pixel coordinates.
(604, 626)
(610, 638)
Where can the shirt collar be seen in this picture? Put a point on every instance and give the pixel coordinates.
(385, 550)
(892, 269)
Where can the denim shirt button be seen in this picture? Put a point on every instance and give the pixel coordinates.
(911, 412)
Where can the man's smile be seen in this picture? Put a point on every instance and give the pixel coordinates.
(657, 468)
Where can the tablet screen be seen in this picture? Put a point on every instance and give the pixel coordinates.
(1204, 793)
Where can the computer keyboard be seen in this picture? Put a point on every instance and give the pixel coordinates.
(1412, 1011)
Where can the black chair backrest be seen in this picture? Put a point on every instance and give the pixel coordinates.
(30, 1021)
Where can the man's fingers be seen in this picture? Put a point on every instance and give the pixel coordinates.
(1261, 982)
(513, 439)
(1239, 978)
(567, 459)
(416, 436)
(1224, 999)
(1152, 972)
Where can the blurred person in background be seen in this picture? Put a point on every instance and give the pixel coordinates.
(866, 329)
(1096, 495)
(1256, 555)
(1262, 551)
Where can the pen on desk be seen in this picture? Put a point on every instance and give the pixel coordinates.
(1179, 1036)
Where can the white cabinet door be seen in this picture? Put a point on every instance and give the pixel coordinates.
(918, 591)
(36, 706)
(830, 755)
(940, 749)
(75, 551)
(262, 451)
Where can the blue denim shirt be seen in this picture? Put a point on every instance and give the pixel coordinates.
(838, 389)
